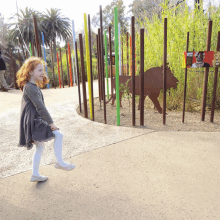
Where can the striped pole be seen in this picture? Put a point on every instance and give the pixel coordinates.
(88, 64)
(74, 40)
(119, 33)
(74, 78)
(116, 66)
(44, 57)
(106, 65)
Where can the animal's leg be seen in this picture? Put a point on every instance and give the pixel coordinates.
(113, 99)
(156, 103)
(140, 102)
(120, 97)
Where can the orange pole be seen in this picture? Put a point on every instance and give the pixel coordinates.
(58, 67)
(70, 65)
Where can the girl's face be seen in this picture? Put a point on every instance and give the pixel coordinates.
(37, 74)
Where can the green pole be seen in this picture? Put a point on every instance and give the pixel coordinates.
(106, 64)
(116, 66)
(30, 48)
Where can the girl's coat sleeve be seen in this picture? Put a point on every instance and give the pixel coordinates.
(34, 95)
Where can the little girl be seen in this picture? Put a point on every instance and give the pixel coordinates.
(36, 124)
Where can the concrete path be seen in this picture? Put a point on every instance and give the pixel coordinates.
(121, 173)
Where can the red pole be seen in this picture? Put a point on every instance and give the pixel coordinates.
(70, 65)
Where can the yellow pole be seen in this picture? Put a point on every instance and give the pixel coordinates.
(88, 64)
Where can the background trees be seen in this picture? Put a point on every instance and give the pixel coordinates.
(55, 26)
(51, 23)
(3, 31)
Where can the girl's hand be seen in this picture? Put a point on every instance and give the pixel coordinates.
(53, 127)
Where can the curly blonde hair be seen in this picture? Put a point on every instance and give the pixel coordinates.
(23, 74)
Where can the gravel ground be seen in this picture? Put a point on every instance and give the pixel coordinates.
(152, 119)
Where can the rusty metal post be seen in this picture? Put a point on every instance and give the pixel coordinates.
(110, 54)
(100, 72)
(133, 69)
(206, 74)
(77, 68)
(127, 55)
(83, 76)
(185, 85)
(98, 65)
(142, 77)
(165, 71)
(67, 66)
(61, 66)
(51, 50)
(91, 76)
(215, 83)
(102, 64)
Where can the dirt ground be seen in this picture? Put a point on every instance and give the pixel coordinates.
(152, 119)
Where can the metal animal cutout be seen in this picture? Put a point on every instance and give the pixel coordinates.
(153, 83)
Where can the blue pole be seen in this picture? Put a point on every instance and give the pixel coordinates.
(45, 57)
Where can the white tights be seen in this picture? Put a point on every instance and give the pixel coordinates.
(40, 146)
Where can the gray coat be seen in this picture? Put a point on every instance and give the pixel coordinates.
(34, 117)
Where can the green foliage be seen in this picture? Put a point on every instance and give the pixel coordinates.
(179, 22)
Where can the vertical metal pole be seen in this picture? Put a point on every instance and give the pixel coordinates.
(110, 52)
(61, 66)
(91, 76)
(127, 39)
(215, 83)
(58, 67)
(185, 85)
(44, 57)
(133, 69)
(122, 57)
(51, 51)
(98, 67)
(106, 64)
(78, 81)
(70, 65)
(83, 76)
(141, 77)
(165, 71)
(116, 65)
(67, 66)
(206, 74)
(119, 37)
(102, 63)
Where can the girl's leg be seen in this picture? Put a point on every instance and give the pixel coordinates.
(37, 157)
(58, 142)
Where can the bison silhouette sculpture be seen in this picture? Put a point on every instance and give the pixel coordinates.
(153, 83)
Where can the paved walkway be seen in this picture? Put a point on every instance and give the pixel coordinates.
(121, 173)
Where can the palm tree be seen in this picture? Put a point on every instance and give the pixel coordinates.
(23, 27)
(55, 26)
